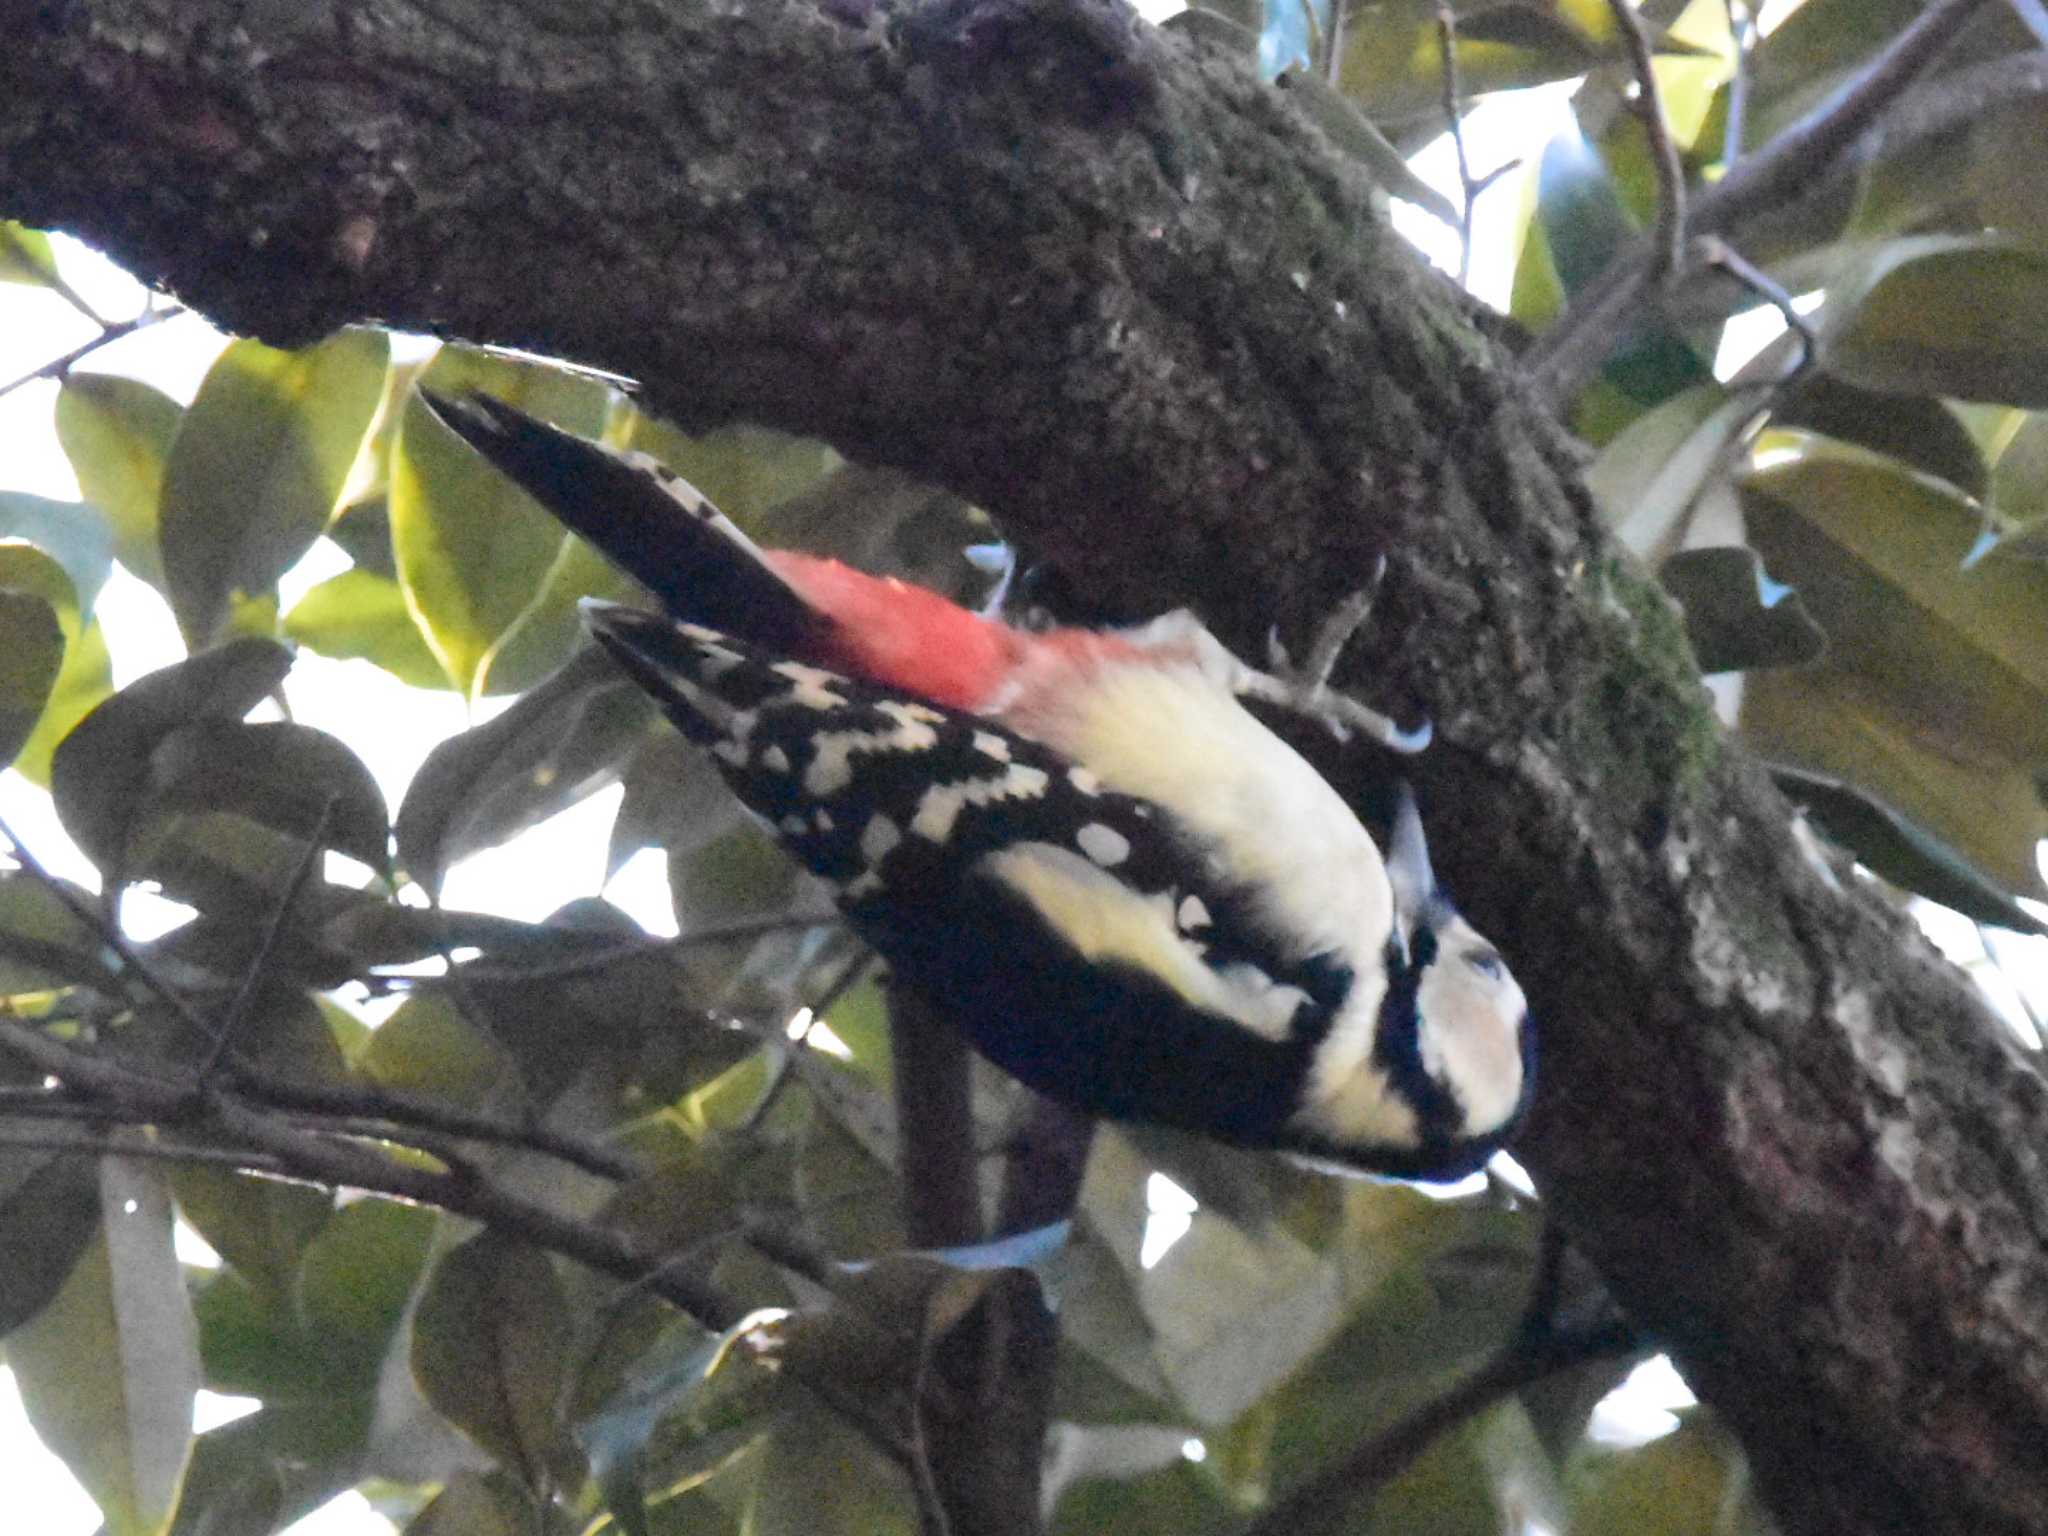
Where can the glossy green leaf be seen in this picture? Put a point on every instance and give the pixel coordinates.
(1888, 844)
(99, 774)
(1920, 432)
(1970, 321)
(107, 1371)
(279, 774)
(256, 468)
(475, 553)
(1737, 617)
(360, 615)
(490, 1352)
(558, 743)
(49, 1212)
(117, 433)
(1392, 63)
(2019, 480)
(1680, 1484)
(1934, 695)
(746, 472)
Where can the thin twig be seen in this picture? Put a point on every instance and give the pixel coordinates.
(1668, 252)
(109, 931)
(1723, 257)
(1567, 354)
(1324, 1498)
(245, 995)
(1333, 61)
(1742, 35)
(58, 367)
(1454, 115)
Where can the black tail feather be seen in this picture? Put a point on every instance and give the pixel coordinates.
(644, 518)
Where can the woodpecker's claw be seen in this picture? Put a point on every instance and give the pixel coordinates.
(1306, 689)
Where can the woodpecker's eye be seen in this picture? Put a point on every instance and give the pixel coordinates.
(1487, 963)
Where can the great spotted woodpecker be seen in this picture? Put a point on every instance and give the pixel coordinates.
(1079, 844)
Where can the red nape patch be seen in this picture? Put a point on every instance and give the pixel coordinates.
(903, 636)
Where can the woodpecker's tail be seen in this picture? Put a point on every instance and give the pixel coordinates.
(646, 519)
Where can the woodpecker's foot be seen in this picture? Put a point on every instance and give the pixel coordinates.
(1306, 688)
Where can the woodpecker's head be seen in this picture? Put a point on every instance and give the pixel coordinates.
(1454, 1025)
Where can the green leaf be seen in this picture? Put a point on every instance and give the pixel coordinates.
(1678, 1485)
(556, 745)
(277, 774)
(1920, 432)
(476, 553)
(43, 944)
(674, 800)
(1970, 321)
(818, 1477)
(99, 774)
(256, 467)
(1737, 617)
(260, 1227)
(1648, 479)
(49, 1212)
(490, 1352)
(360, 615)
(1890, 845)
(478, 1504)
(357, 1275)
(31, 656)
(615, 1437)
(25, 256)
(429, 1047)
(117, 433)
(1934, 694)
(107, 1371)
(84, 682)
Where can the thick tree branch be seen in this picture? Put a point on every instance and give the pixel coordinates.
(1113, 289)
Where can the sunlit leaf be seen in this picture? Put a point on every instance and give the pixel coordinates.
(1648, 478)
(117, 432)
(74, 534)
(107, 1371)
(25, 255)
(362, 615)
(490, 1351)
(475, 553)
(1677, 1485)
(256, 468)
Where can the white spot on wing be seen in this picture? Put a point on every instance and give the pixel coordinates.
(814, 685)
(1193, 914)
(1105, 845)
(877, 838)
(794, 826)
(831, 768)
(734, 752)
(1084, 781)
(990, 745)
(699, 633)
(775, 760)
(823, 818)
(940, 806)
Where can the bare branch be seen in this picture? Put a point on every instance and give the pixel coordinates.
(1723, 257)
(1742, 35)
(1569, 352)
(1668, 252)
(58, 367)
(934, 1125)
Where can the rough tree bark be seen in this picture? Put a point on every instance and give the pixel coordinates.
(1116, 291)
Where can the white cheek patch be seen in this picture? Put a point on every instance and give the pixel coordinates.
(940, 806)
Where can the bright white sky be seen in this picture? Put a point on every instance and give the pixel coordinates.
(564, 858)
